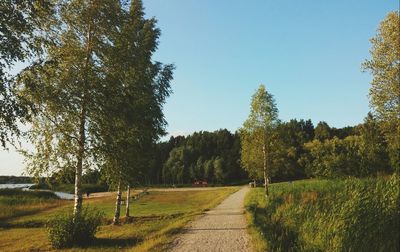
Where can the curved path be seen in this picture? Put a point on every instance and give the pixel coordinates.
(223, 228)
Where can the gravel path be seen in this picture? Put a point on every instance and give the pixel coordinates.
(221, 229)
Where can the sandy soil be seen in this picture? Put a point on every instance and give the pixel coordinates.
(223, 228)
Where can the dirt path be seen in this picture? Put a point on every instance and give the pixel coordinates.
(223, 228)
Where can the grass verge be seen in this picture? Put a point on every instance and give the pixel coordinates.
(322, 215)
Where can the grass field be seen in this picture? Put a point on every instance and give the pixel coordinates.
(322, 215)
(157, 217)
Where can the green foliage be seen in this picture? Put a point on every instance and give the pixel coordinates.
(360, 155)
(65, 231)
(335, 158)
(385, 89)
(213, 156)
(20, 24)
(336, 215)
(258, 135)
(219, 169)
(374, 149)
(132, 119)
(289, 148)
(322, 131)
(16, 180)
(65, 85)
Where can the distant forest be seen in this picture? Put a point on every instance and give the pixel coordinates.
(16, 180)
(302, 151)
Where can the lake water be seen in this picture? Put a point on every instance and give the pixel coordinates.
(14, 186)
(61, 195)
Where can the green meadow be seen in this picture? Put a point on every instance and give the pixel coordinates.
(157, 217)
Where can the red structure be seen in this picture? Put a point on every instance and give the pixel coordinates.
(200, 183)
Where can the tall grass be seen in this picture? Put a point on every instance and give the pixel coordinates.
(16, 202)
(336, 215)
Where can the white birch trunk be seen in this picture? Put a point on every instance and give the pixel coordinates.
(128, 196)
(117, 212)
(265, 171)
(82, 133)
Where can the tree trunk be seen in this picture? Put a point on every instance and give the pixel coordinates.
(128, 196)
(82, 133)
(265, 171)
(117, 205)
(78, 170)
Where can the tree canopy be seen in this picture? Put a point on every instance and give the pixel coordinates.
(258, 136)
(20, 38)
(97, 94)
(385, 88)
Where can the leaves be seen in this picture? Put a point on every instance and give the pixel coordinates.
(385, 86)
(258, 133)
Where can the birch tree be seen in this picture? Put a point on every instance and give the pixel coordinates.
(258, 136)
(132, 119)
(65, 86)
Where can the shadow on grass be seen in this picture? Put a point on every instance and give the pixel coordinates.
(7, 221)
(111, 243)
(17, 214)
(25, 224)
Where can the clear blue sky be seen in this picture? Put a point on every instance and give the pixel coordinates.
(307, 53)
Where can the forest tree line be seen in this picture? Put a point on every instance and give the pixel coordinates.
(301, 150)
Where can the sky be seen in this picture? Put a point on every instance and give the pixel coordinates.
(307, 53)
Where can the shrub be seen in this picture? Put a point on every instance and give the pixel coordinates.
(65, 231)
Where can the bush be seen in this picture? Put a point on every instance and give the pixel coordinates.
(65, 231)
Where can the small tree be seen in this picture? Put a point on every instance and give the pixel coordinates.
(258, 135)
(374, 148)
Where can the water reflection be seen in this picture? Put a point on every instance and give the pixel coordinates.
(61, 195)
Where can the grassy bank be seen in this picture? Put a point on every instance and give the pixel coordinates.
(322, 215)
(157, 217)
(15, 203)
